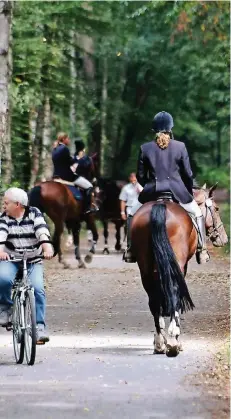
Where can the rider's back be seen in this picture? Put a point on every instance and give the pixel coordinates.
(62, 161)
(168, 168)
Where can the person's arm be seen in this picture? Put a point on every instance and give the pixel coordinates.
(142, 173)
(122, 210)
(43, 235)
(4, 229)
(186, 171)
(123, 197)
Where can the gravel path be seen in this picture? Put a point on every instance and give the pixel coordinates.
(99, 362)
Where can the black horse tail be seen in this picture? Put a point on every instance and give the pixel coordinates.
(175, 294)
(35, 198)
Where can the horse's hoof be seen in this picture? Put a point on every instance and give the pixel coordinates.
(159, 351)
(106, 251)
(180, 346)
(66, 265)
(172, 350)
(118, 247)
(88, 258)
(82, 265)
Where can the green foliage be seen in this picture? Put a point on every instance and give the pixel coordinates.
(160, 55)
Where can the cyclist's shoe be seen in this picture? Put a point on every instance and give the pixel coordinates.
(5, 313)
(42, 334)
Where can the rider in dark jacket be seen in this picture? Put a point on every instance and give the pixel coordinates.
(163, 166)
(62, 159)
(66, 167)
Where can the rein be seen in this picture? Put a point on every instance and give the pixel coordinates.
(214, 228)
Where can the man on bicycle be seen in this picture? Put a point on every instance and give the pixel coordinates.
(23, 227)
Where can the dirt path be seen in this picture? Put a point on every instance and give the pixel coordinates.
(99, 363)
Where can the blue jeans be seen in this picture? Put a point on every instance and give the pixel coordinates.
(8, 271)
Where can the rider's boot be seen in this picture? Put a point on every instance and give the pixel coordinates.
(202, 255)
(90, 207)
(128, 257)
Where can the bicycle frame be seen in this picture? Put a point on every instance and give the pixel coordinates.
(22, 286)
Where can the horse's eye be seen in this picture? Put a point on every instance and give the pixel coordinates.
(217, 209)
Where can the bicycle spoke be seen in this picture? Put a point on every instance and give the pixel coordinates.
(18, 332)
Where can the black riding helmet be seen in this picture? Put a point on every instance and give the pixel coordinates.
(162, 122)
(79, 146)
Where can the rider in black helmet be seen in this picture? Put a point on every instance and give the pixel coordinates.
(83, 165)
(163, 166)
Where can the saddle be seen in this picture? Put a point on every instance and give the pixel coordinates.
(164, 196)
(168, 196)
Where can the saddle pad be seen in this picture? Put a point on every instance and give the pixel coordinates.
(75, 192)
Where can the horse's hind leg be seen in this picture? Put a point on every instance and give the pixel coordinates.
(75, 233)
(173, 344)
(153, 291)
(105, 233)
(92, 225)
(118, 225)
(159, 338)
(59, 227)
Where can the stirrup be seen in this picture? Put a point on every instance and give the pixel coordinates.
(202, 256)
(128, 257)
(91, 210)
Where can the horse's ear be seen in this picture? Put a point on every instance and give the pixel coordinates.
(212, 189)
(204, 186)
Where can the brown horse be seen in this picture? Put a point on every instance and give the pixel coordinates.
(57, 201)
(164, 239)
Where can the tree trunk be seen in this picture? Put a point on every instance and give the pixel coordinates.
(104, 140)
(35, 161)
(73, 78)
(5, 72)
(87, 44)
(46, 162)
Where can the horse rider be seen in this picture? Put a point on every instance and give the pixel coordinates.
(23, 227)
(163, 166)
(65, 166)
(83, 165)
(129, 196)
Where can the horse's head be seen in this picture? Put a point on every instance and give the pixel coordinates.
(99, 192)
(94, 169)
(214, 226)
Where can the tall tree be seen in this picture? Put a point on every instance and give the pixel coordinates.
(5, 72)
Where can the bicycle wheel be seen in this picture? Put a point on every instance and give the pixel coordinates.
(18, 332)
(30, 328)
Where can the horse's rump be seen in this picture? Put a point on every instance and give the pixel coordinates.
(161, 242)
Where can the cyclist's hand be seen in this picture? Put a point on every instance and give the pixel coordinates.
(4, 256)
(48, 251)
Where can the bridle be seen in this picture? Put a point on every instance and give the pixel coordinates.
(215, 227)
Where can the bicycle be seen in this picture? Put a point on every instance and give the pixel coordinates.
(23, 323)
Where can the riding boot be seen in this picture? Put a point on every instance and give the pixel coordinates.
(89, 206)
(128, 257)
(202, 255)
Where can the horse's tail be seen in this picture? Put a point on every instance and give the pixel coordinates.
(35, 197)
(175, 294)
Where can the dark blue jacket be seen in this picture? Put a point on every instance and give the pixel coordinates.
(62, 161)
(84, 166)
(161, 170)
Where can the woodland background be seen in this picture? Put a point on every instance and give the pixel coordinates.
(101, 70)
